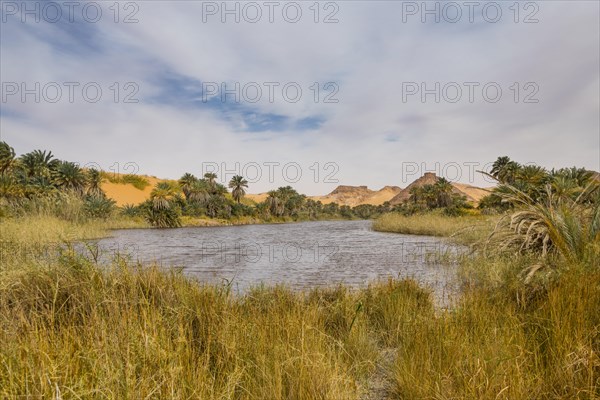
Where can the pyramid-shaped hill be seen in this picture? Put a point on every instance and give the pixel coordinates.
(356, 195)
(472, 193)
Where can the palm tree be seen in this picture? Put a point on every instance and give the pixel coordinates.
(10, 188)
(569, 227)
(578, 176)
(39, 163)
(275, 204)
(533, 175)
(430, 195)
(238, 183)
(7, 157)
(499, 165)
(211, 178)
(504, 170)
(94, 184)
(416, 194)
(162, 209)
(198, 191)
(443, 189)
(564, 187)
(69, 176)
(186, 182)
(162, 195)
(218, 190)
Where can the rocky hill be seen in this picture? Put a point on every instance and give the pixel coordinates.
(356, 195)
(472, 193)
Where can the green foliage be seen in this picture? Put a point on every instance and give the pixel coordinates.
(365, 211)
(94, 184)
(131, 210)
(237, 184)
(551, 212)
(99, 207)
(137, 181)
(69, 176)
(162, 217)
(7, 157)
(556, 223)
(38, 163)
(186, 182)
(285, 202)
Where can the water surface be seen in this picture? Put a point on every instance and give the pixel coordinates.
(299, 255)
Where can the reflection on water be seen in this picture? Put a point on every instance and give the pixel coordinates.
(299, 255)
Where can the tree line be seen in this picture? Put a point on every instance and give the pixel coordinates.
(39, 182)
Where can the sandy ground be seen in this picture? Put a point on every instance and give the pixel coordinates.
(258, 198)
(127, 193)
(473, 193)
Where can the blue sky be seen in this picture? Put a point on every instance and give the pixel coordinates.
(354, 113)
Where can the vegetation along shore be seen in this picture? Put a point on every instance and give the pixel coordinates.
(526, 324)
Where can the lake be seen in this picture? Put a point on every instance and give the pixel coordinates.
(300, 255)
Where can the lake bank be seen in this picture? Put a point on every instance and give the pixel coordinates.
(68, 324)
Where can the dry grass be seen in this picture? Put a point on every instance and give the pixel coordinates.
(72, 329)
(496, 345)
(464, 229)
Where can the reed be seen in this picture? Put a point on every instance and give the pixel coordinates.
(463, 229)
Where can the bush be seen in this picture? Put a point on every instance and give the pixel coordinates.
(139, 182)
(99, 207)
(130, 210)
(167, 217)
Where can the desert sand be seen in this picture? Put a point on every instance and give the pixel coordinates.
(127, 193)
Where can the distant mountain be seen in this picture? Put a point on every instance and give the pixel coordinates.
(473, 193)
(356, 195)
(343, 195)
(428, 179)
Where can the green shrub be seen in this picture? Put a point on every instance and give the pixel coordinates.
(99, 207)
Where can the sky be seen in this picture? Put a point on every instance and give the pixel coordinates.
(310, 94)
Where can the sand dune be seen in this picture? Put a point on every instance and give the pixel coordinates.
(257, 198)
(125, 193)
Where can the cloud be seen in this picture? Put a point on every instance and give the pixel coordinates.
(366, 126)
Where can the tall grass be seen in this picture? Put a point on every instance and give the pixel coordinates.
(70, 328)
(463, 229)
(495, 347)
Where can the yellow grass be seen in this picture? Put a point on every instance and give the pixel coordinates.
(464, 229)
(72, 329)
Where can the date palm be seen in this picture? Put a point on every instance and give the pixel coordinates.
(7, 157)
(198, 191)
(211, 177)
(505, 170)
(186, 182)
(443, 189)
(238, 183)
(275, 204)
(39, 163)
(94, 184)
(569, 227)
(69, 176)
(162, 195)
(533, 175)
